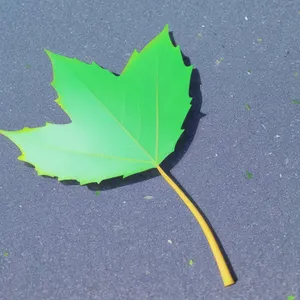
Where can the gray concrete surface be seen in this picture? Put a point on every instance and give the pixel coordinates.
(65, 242)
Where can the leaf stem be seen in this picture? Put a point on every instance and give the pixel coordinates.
(222, 265)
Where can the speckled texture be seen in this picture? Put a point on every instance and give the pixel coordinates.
(65, 242)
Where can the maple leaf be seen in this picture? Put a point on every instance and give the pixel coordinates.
(120, 125)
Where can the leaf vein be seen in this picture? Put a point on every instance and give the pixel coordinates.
(120, 124)
(100, 155)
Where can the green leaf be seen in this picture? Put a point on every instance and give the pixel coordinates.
(296, 101)
(248, 107)
(5, 254)
(249, 175)
(259, 40)
(121, 125)
(291, 298)
(97, 193)
(191, 262)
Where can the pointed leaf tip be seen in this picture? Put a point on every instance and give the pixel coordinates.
(50, 55)
(53, 55)
(48, 52)
(21, 157)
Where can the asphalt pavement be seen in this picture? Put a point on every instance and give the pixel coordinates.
(239, 159)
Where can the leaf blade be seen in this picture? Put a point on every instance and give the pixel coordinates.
(118, 125)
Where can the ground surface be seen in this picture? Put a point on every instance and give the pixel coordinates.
(66, 242)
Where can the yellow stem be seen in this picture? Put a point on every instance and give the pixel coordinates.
(223, 268)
